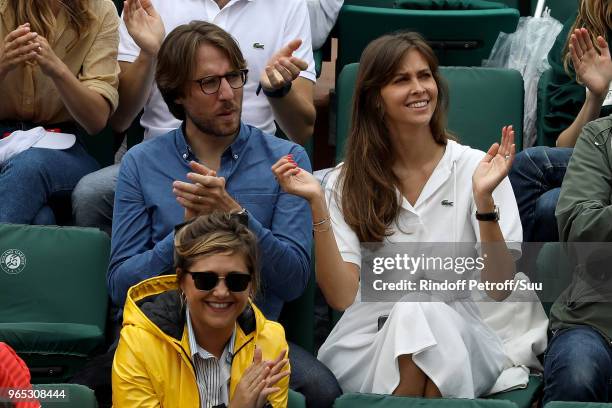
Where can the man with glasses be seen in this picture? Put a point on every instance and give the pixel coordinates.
(275, 38)
(213, 161)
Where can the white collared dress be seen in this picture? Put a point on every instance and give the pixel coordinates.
(448, 340)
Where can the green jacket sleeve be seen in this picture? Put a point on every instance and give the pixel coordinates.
(583, 211)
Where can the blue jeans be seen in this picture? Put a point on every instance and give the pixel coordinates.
(312, 378)
(93, 198)
(578, 367)
(30, 179)
(536, 177)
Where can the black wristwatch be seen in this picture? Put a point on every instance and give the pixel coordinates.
(490, 216)
(277, 93)
(242, 216)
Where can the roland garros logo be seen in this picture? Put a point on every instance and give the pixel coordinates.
(12, 261)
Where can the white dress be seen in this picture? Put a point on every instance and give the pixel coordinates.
(448, 340)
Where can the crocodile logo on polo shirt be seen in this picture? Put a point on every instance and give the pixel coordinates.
(12, 261)
(258, 46)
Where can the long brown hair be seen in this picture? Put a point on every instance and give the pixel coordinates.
(40, 15)
(370, 202)
(595, 16)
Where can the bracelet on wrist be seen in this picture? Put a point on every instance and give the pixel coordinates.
(320, 226)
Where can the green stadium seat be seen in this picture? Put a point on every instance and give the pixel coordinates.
(372, 3)
(476, 114)
(297, 316)
(53, 299)
(523, 398)
(459, 37)
(296, 400)
(572, 404)
(542, 109)
(356, 400)
(77, 396)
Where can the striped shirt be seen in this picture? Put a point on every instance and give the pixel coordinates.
(212, 374)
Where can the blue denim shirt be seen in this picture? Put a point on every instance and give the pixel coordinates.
(146, 212)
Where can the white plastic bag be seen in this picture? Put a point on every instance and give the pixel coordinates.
(526, 50)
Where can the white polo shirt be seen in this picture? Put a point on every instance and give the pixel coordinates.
(261, 27)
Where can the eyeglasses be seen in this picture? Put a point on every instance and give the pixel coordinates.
(235, 281)
(211, 84)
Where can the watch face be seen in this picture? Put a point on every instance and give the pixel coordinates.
(243, 217)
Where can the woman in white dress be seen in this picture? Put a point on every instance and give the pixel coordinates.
(405, 180)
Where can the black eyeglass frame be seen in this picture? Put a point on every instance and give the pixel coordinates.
(229, 284)
(244, 74)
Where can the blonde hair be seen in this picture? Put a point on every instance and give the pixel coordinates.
(39, 13)
(595, 16)
(216, 233)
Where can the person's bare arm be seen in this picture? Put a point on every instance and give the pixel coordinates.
(147, 29)
(593, 68)
(338, 280)
(294, 112)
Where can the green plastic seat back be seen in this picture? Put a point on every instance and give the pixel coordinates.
(296, 400)
(355, 400)
(476, 114)
(459, 37)
(449, 5)
(63, 279)
(575, 404)
(297, 316)
(523, 398)
(53, 298)
(371, 3)
(543, 108)
(77, 396)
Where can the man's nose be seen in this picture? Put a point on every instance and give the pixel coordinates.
(225, 90)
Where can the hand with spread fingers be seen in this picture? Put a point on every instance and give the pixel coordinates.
(258, 380)
(591, 61)
(495, 165)
(283, 67)
(20, 46)
(144, 25)
(205, 194)
(295, 180)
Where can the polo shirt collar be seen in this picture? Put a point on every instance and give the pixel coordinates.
(235, 149)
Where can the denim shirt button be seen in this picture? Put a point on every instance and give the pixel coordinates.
(235, 157)
(185, 156)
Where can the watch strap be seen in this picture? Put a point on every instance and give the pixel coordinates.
(490, 216)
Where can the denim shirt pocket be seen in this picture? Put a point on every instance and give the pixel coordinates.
(260, 206)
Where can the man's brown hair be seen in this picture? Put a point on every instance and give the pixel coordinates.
(176, 59)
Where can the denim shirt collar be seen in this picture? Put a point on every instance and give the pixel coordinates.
(235, 149)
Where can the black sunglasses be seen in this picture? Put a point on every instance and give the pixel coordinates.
(234, 281)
